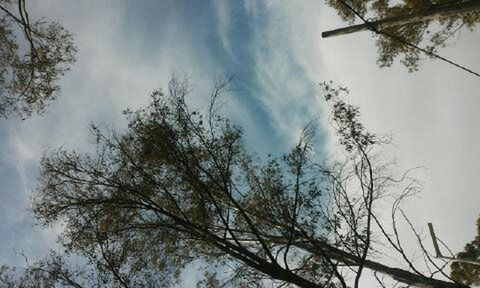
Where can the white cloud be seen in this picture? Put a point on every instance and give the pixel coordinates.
(222, 13)
(280, 72)
(432, 113)
(106, 79)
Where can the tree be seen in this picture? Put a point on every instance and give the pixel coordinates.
(179, 186)
(468, 273)
(30, 66)
(56, 271)
(419, 22)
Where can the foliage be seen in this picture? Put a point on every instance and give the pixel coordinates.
(33, 56)
(179, 186)
(432, 34)
(55, 270)
(468, 273)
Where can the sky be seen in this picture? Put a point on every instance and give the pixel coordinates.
(127, 49)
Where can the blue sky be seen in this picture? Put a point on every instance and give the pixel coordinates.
(129, 48)
(144, 44)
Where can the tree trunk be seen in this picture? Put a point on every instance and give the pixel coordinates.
(398, 274)
(435, 12)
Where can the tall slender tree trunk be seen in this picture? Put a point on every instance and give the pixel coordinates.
(398, 274)
(434, 12)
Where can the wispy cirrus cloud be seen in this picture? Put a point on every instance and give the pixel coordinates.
(128, 49)
(125, 52)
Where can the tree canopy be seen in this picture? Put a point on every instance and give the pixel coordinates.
(33, 56)
(179, 186)
(430, 34)
(468, 273)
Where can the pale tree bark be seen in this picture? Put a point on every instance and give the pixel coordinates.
(435, 12)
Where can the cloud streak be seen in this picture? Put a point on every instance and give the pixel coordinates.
(274, 49)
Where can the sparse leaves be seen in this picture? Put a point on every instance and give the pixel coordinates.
(174, 188)
(33, 57)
